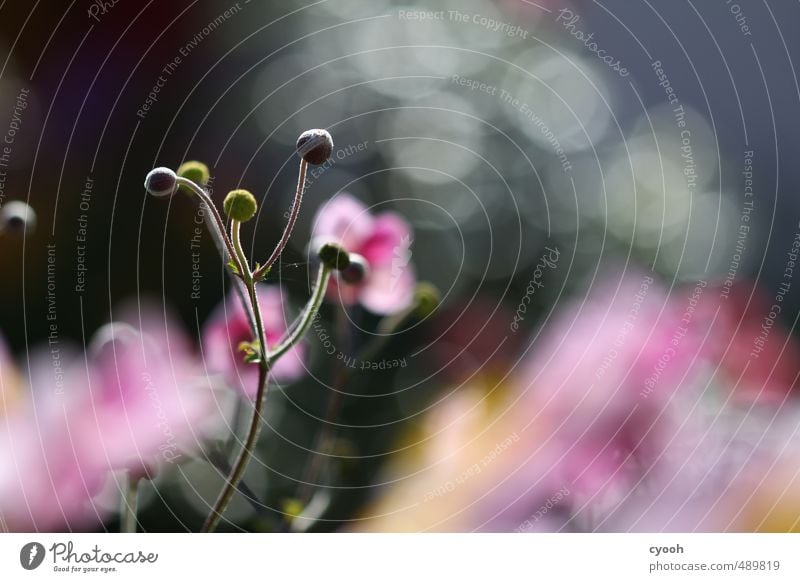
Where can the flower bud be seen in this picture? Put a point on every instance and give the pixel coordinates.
(161, 182)
(197, 172)
(315, 146)
(426, 299)
(17, 218)
(356, 271)
(240, 205)
(112, 338)
(334, 257)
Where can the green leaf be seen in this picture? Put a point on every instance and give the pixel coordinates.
(261, 276)
(251, 350)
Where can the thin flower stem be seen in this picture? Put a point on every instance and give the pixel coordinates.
(129, 505)
(219, 231)
(266, 360)
(309, 313)
(287, 232)
(224, 248)
(242, 460)
(239, 467)
(246, 452)
(236, 228)
(325, 436)
(219, 459)
(239, 283)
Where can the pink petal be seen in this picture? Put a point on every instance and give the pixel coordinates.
(229, 326)
(345, 220)
(388, 290)
(389, 242)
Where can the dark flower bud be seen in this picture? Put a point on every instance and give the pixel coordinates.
(356, 271)
(240, 205)
(17, 218)
(333, 256)
(315, 146)
(161, 182)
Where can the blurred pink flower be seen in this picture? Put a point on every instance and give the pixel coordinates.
(136, 401)
(229, 326)
(605, 374)
(384, 240)
(149, 399)
(468, 334)
(606, 387)
(49, 471)
(740, 475)
(761, 357)
(616, 422)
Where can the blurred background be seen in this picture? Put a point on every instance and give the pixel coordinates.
(545, 153)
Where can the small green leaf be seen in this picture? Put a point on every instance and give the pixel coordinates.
(252, 351)
(261, 276)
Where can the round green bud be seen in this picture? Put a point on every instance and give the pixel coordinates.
(195, 171)
(315, 146)
(240, 205)
(334, 256)
(161, 182)
(426, 299)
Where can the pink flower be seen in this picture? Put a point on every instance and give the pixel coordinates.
(136, 401)
(150, 401)
(48, 470)
(614, 423)
(384, 240)
(607, 374)
(229, 327)
(739, 475)
(761, 358)
(604, 392)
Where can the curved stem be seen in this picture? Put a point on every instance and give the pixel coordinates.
(246, 452)
(130, 503)
(287, 232)
(310, 312)
(236, 228)
(325, 436)
(223, 244)
(220, 224)
(240, 283)
(240, 465)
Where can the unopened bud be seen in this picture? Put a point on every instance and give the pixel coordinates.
(356, 271)
(161, 182)
(195, 171)
(240, 205)
(17, 218)
(315, 146)
(334, 257)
